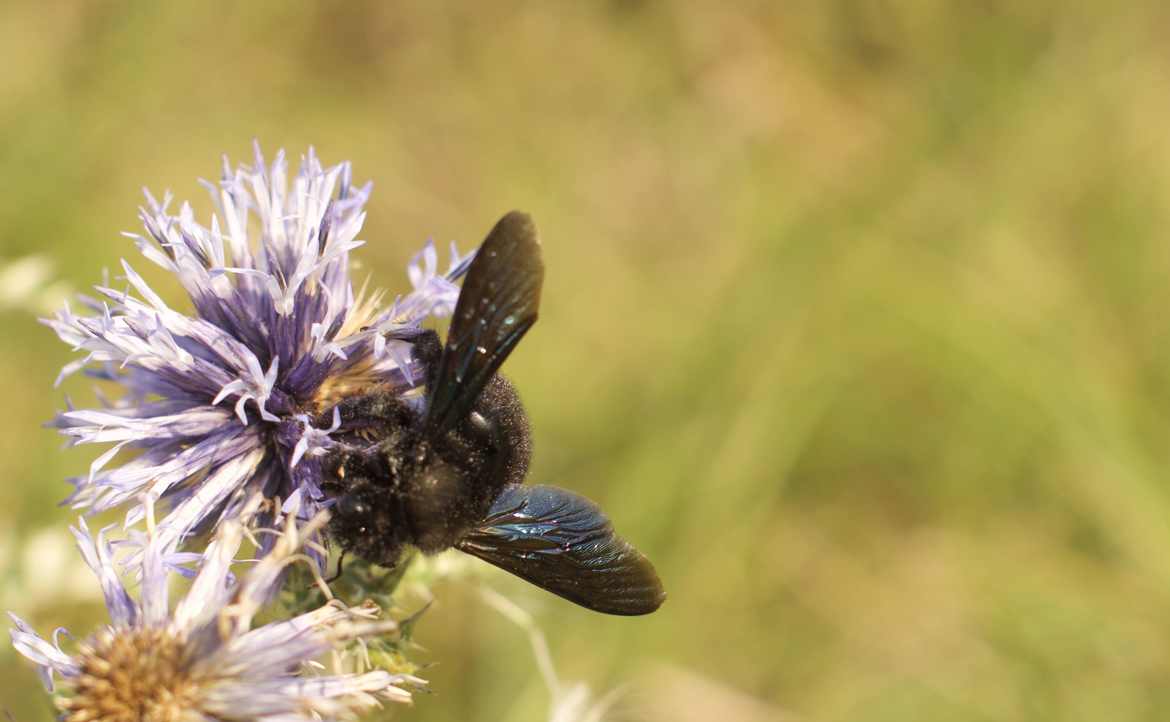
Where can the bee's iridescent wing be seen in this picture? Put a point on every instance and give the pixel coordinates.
(497, 305)
(563, 543)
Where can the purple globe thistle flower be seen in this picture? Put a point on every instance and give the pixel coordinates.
(220, 404)
(203, 659)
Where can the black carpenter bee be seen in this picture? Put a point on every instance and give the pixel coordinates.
(450, 474)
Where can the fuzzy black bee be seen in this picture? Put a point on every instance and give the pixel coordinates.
(450, 474)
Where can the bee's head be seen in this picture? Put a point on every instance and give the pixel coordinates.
(354, 520)
(352, 510)
(363, 526)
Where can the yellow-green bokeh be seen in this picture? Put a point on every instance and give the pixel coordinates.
(856, 319)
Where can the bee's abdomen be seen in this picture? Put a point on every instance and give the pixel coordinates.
(451, 491)
(500, 405)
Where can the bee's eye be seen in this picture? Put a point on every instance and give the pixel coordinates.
(351, 506)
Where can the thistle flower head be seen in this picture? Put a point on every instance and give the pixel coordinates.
(202, 658)
(222, 403)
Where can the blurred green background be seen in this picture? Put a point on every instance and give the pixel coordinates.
(856, 320)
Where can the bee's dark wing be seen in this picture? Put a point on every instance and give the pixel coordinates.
(563, 543)
(497, 306)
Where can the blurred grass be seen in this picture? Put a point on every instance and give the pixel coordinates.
(855, 317)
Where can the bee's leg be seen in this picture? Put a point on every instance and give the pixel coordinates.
(428, 349)
(340, 568)
(335, 577)
(366, 410)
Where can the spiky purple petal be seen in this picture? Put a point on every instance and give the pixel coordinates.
(221, 402)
